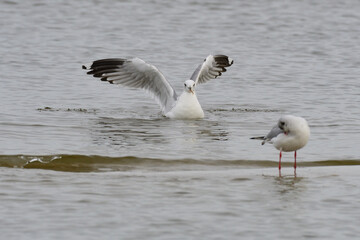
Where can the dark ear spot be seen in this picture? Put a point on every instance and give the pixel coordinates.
(281, 125)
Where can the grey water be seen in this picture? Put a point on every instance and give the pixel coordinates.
(83, 159)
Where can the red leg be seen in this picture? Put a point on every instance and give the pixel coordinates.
(295, 164)
(280, 155)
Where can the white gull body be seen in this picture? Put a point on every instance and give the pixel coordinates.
(187, 105)
(289, 135)
(136, 73)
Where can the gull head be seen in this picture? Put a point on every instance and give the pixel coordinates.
(294, 125)
(189, 86)
(283, 125)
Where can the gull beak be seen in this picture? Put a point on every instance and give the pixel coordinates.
(191, 90)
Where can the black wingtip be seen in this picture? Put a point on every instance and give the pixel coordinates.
(83, 67)
(258, 138)
(223, 60)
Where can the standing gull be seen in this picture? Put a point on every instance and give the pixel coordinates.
(290, 134)
(136, 73)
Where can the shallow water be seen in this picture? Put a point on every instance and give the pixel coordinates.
(213, 204)
(124, 171)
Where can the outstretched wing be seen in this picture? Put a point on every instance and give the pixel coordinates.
(137, 74)
(211, 68)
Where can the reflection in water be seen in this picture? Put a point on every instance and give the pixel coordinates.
(287, 189)
(288, 184)
(127, 132)
(151, 137)
(285, 196)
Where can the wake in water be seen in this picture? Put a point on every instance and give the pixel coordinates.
(83, 163)
(81, 110)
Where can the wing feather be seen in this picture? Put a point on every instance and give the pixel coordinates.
(211, 68)
(137, 74)
(274, 132)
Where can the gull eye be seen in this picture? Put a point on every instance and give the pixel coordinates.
(185, 84)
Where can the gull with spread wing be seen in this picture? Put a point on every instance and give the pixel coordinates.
(136, 73)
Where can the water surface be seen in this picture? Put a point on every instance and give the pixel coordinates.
(124, 171)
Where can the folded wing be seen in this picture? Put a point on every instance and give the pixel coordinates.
(212, 67)
(137, 74)
(274, 132)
